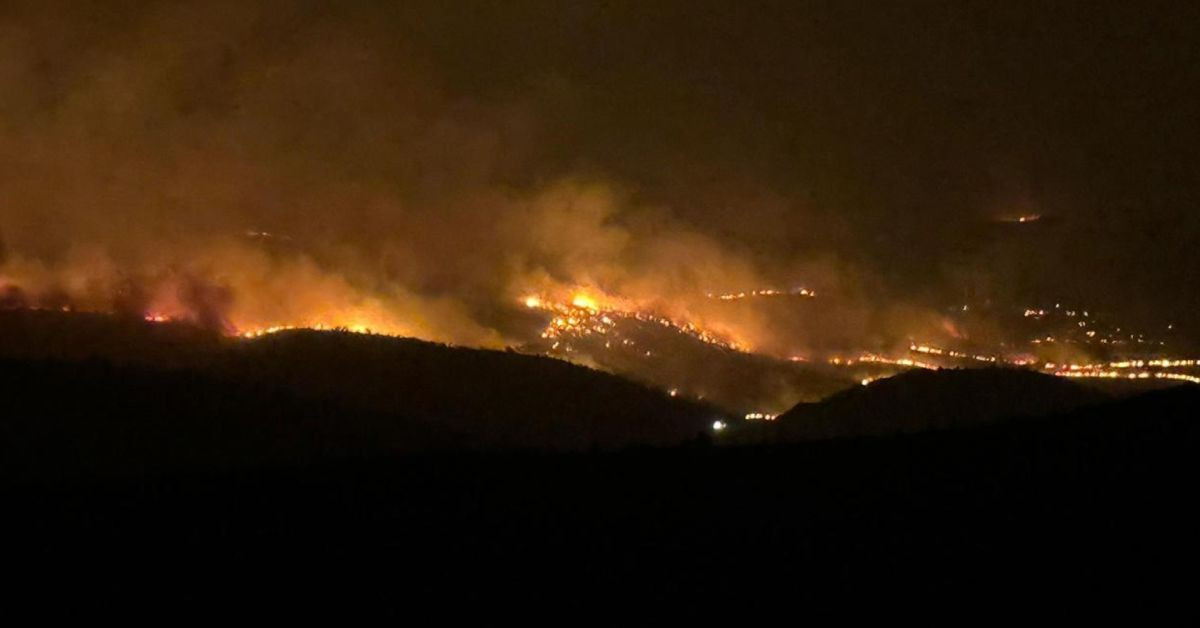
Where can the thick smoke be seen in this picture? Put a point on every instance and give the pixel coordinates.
(248, 164)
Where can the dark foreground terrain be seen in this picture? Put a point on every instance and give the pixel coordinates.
(925, 400)
(1088, 510)
(92, 374)
(156, 470)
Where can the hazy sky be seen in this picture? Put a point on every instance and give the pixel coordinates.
(884, 131)
(873, 142)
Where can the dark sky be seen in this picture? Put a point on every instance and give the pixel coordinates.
(886, 131)
(879, 139)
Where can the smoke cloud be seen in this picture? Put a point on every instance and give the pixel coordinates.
(417, 169)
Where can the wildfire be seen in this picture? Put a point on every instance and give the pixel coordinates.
(585, 315)
(932, 350)
(766, 292)
(580, 313)
(872, 358)
(1143, 369)
(1138, 375)
(585, 302)
(259, 332)
(275, 329)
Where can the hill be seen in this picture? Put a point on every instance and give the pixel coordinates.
(95, 419)
(1091, 504)
(922, 400)
(665, 358)
(477, 398)
(494, 398)
(661, 353)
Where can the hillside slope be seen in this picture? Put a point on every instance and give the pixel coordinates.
(487, 399)
(1068, 509)
(494, 398)
(94, 419)
(923, 400)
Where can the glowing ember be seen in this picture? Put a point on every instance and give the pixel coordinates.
(582, 313)
(584, 316)
(1143, 369)
(766, 292)
(275, 329)
(1019, 218)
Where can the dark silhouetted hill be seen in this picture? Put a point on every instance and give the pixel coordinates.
(1090, 509)
(486, 399)
(923, 400)
(494, 398)
(91, 418)
(74, 336)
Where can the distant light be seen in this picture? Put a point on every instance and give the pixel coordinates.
(865, 381)
(718, 426)
(673, 392)
(532, 302)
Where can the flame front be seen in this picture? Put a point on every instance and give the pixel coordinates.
(585, 314)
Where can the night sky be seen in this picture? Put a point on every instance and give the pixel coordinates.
(886, 133)
(442, 150)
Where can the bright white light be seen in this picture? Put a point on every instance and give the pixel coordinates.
(718, 426)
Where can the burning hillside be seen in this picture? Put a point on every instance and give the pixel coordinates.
(287, 170)
(693, 347)
(676, 355)
(583, 316)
